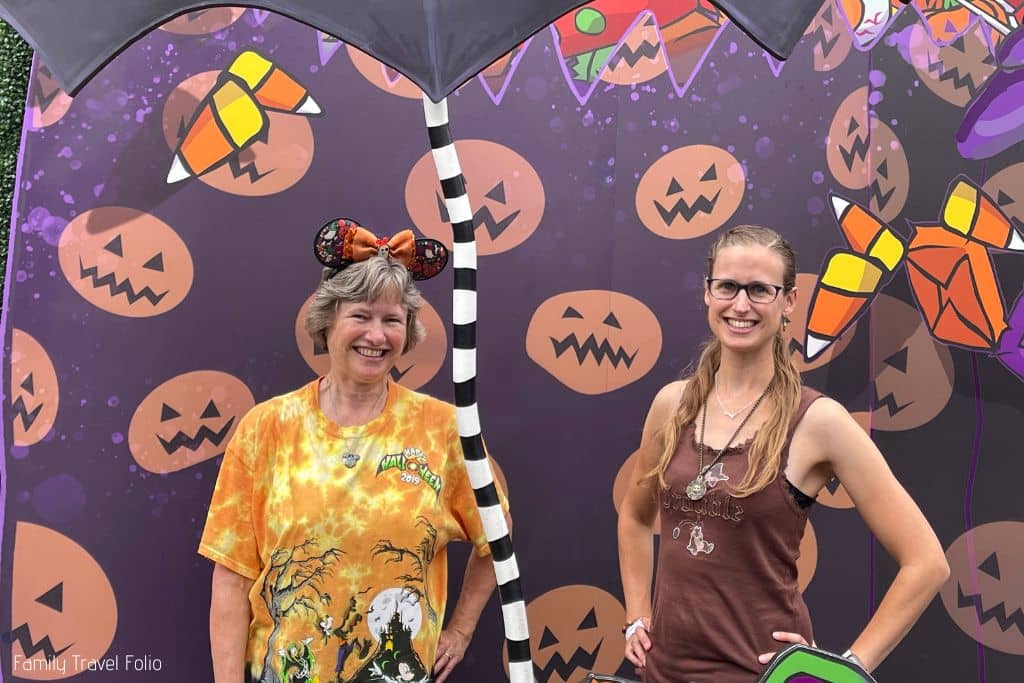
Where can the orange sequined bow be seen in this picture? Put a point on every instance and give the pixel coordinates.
(360, 244)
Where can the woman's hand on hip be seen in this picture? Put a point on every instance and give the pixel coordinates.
(451, 648)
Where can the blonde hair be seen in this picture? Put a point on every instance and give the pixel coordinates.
(783, 397)
(378, 277)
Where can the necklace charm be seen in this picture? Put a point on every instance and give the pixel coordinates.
(350, 459)
(696, 489)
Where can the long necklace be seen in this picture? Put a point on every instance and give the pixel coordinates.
(731, 415)
(697, 488)
(350, 458)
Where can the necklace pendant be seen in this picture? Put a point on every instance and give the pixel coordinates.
(696, 489)
(731, 416)
(350, 459)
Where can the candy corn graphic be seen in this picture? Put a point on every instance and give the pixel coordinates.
(972, 213)
(272, 86)
(234, 114)
(852, 278)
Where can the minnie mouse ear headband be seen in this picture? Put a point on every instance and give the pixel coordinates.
(342, 242)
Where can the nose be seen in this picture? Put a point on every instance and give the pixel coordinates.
(375, 332)
(741, 303)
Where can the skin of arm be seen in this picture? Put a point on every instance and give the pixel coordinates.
(478, 585)
(637, 516)
(844, 449)
(230, 616)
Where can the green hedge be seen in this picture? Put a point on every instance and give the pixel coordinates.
(15, 64)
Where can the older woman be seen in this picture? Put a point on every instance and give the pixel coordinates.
(335, 502)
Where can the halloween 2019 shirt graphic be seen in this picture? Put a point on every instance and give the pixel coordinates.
(160, 267)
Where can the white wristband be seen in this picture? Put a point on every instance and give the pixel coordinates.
(848, 655)
(633, 626)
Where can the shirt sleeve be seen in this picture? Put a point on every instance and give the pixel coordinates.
(462, 501)
(229, 537)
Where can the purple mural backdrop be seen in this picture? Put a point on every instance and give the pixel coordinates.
(601, 167)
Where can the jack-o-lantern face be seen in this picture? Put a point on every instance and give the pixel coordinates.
(383, 76)
(830, 38)
(847, 144)
(594, 341)
(125, 261)
(187, 419)
(985, 591)
(955, 72)
(267, 166)
(1007, 189)
(640, 57)
(690, 191)
(47, 100)
(63, 608)
(412, 369)
(889, 183)
(575, 629)
(34, 392)
(795, 333)
(202, 21)
(913, 373)
(505, 192)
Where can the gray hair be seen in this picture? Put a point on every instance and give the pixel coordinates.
(378, 277)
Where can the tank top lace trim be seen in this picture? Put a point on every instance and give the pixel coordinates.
(727, 568)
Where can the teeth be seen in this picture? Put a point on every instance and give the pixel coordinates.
(370, 353)
(740, 323)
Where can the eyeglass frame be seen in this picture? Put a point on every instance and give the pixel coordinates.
(743, 288)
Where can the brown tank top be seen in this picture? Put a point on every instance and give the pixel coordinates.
(727, 574)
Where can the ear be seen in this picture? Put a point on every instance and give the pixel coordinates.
(789, 302)
(707, 295)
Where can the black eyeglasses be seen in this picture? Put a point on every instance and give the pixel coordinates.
(758, 292)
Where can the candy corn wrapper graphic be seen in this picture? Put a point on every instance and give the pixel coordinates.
(234, 114)
(601, 24)
(971, 213)
(851, 278)
(272, 86)
(803, 664)
(998, 14)
(955, 286)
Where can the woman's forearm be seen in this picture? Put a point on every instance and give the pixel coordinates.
(636, 565)
(230, 615)
(910, 593)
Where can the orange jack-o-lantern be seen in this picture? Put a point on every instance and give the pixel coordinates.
(690, 191)
(47, 100)
(187, 419)
(795, 333)
(269, 165)
(505, 193)
(957, 71)
(913, 373)
(63, 608)
(594, 341)
(575, 629)
(125, 261)
(846, 147)
(640, 58)
(383, 76)
(889, 183)
(34, 391)
(1007, 189)
(830, 38)
(412, 370)
(202, 21)
(984, 594)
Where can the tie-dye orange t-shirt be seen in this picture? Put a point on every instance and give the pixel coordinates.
(343, 531)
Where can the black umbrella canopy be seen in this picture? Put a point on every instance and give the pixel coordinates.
(437, 44)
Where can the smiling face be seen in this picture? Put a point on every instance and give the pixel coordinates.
(366, 339)
(742, 324)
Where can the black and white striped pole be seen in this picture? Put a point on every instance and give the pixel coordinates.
(460, 214)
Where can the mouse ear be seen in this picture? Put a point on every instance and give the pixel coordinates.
(329, 243)
(430, 259)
